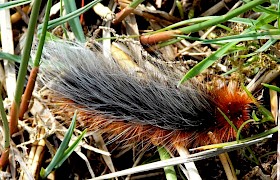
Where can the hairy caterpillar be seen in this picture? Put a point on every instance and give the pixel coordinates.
(147, 109)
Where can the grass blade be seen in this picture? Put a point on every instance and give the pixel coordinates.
(275, 88)
(64, 19)
(207, 62)
(170, 172)
(70, 149)
(10, 57)
(75, 24)
(13, 4)
(60, 152)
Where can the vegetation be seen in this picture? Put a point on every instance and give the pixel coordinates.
(210, 40)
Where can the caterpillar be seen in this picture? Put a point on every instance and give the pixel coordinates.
(140, 109)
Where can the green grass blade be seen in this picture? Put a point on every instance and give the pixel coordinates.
(204, 64)
(267, 115)
(135, 3)
(5, 124)
(43, 35)
(180, 8)
(261, 22)
(267, 45)
(76, 27)
(254, 137)
(70, 149)
(275, 88)
(266, 10)
(64, 19)
(60, 152)
(10, 57)
(223, 18)
(24, 60)
(170, 172)
(271, 34)
(13, 4)
(264, 20)
(249, 22)
(228, 120)
(238, 134)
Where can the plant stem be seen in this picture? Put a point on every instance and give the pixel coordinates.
(23, 66)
